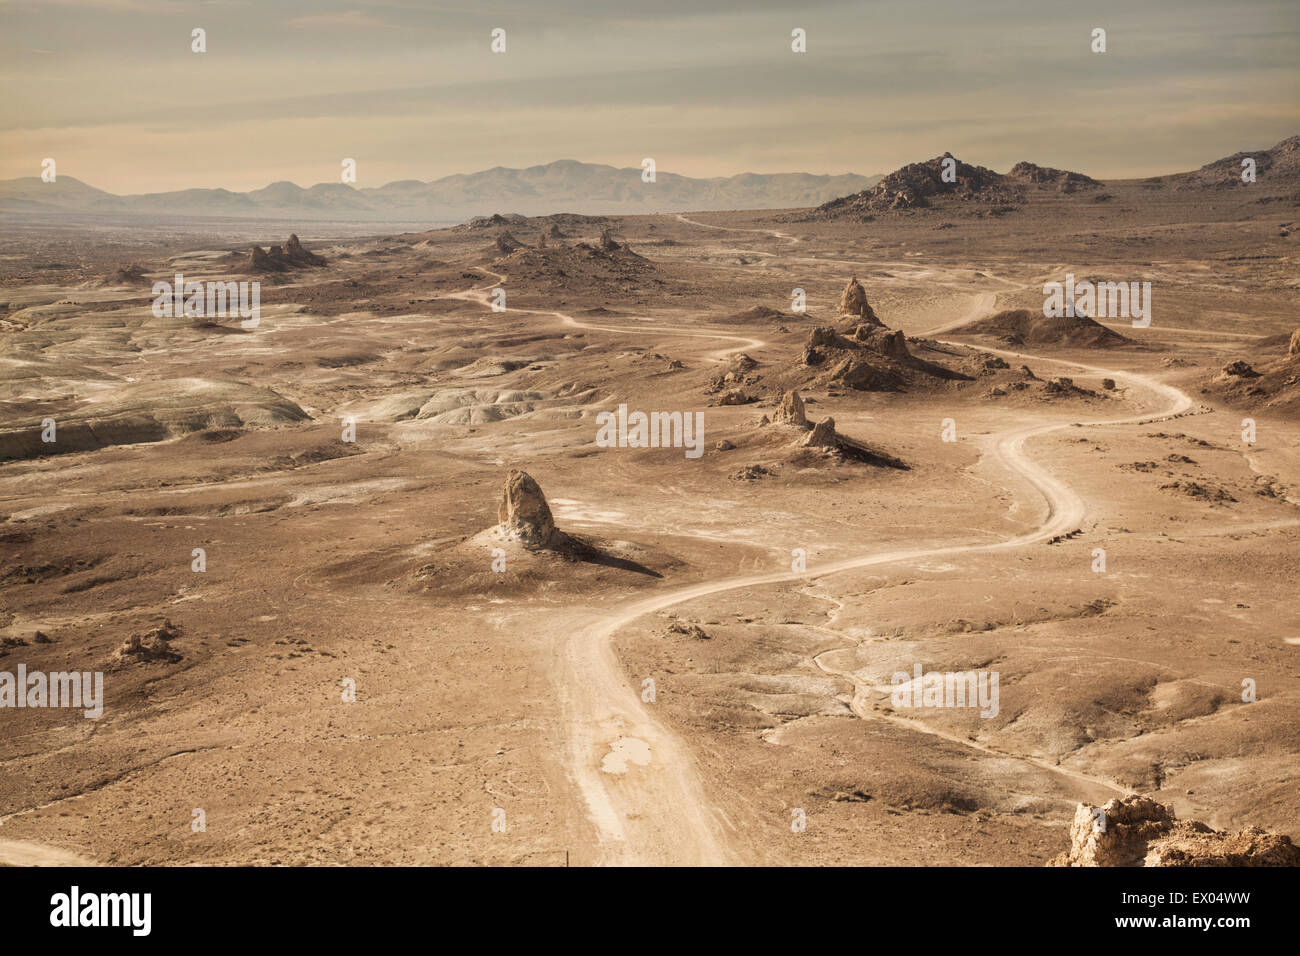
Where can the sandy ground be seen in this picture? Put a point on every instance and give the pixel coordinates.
(503, 718)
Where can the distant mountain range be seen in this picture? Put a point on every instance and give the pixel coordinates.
(946, 180)
(564, 186)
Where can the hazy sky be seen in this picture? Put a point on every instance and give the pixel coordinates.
(286, 90)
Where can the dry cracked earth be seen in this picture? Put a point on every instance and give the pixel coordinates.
(709, 657)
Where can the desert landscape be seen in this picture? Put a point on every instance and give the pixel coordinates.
(393, 572)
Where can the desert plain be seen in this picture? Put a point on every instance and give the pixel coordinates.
(695, 665)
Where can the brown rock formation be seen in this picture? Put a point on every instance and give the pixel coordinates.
(260, 261)
(507, 243)
(853, 302)
(524, 514)
(1239, 369)
(295, 253)
(822, 435)
(1295, 343)
(791, 411)
(1137, 831)
(282, 258)
(890, 343)
(824, 335)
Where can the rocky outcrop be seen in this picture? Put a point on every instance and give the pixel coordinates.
(853, 302)
(822, 435)
(735, 396)
(295, 253)
(791, 411)
(523, 513)
(278, 258)
(1063, 179)
(871, 358)
(607, 241)
(917, 185)
(890, 343)
(1239, 369)
(824, 335)
(154, 645)
(1021, 327)
(260, 261)
(866, 376)
(1294, 348)
(1138, 831)
(507, 243)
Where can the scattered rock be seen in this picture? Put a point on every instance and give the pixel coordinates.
(1059, 386)
(690, 630)
(1194, 489)
(154, 645)
(735, 396)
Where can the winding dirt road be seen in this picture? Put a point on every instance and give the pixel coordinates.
(643, 792)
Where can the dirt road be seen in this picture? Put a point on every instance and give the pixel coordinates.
(642, 790)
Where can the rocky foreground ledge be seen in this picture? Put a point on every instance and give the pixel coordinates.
(1137, 831)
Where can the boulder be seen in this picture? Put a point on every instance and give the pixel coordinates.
(523, 513)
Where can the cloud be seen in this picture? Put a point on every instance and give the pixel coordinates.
(345, 19)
